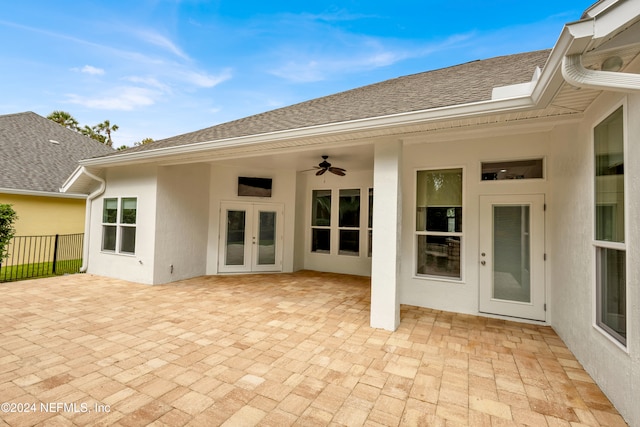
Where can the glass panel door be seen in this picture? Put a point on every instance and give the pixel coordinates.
(250, 237)
(511, 256)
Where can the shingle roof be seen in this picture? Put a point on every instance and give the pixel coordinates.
(461, 84)
(29, 160)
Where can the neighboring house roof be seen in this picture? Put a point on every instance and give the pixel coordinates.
(460, 84)
(38, 155)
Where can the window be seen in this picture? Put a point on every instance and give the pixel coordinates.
(321, 221)
(518, 169)
(119, 225)
(439, 223)
(609, 227)
(349, 223)
(337, 221)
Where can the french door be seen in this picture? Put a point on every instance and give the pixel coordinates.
(512, 272)
(250, 237)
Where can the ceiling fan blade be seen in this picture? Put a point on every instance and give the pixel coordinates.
(337, 171)
(320, 172)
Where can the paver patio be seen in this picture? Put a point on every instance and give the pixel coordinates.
(276, 350)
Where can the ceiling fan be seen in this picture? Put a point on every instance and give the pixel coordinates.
(326, 166)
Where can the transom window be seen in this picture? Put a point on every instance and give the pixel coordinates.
(119, 225)
(439, 223)
(611, 287)
(514, 169)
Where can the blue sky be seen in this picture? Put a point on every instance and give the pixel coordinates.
(159, 68)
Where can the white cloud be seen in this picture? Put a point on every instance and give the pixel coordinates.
(123, 98)
(88, 69)
(205, 80)
(356, 54)
(163, 42)
(149, 81)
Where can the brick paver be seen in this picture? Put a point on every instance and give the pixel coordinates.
(277, 350)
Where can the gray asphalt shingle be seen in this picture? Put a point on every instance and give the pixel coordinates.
(457, 85)
(29, 160)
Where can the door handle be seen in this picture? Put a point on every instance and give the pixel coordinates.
(483, 262)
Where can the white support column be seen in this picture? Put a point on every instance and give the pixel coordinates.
(387, 217)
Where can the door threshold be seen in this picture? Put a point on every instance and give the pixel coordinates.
(514, 318)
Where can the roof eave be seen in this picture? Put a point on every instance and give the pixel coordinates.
(352, 126)
(37, 193)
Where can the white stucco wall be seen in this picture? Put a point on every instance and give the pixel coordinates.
(467, 152)
(616, 370)
(139, 182)
(182, 222)
(223, 188)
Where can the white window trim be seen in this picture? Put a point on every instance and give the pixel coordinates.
(119, 225)
(461, 234)
(605, 244)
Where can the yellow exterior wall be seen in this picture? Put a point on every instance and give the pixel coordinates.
(38, 216)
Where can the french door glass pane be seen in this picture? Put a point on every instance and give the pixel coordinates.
(235, 238)
(439, 256)
(266, 238)
(612, 292)
(511, 253)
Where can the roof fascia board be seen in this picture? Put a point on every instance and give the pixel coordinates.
(70, 181)
(610, 19)
(73, 183)
(598, 8)
(42, 193)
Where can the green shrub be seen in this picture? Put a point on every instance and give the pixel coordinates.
(7, 218)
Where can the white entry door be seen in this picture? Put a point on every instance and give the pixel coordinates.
(512, 271)
(250, 237)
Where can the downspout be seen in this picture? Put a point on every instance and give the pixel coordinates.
(87, 218)
(576, 75)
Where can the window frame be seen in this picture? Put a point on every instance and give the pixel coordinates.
(516, 159)
(460, 234)
(600, 245)
(313, 227)
(334, 228)
(349, 228)
(119, 226)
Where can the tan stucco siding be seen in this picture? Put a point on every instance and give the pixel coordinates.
(39, 215)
